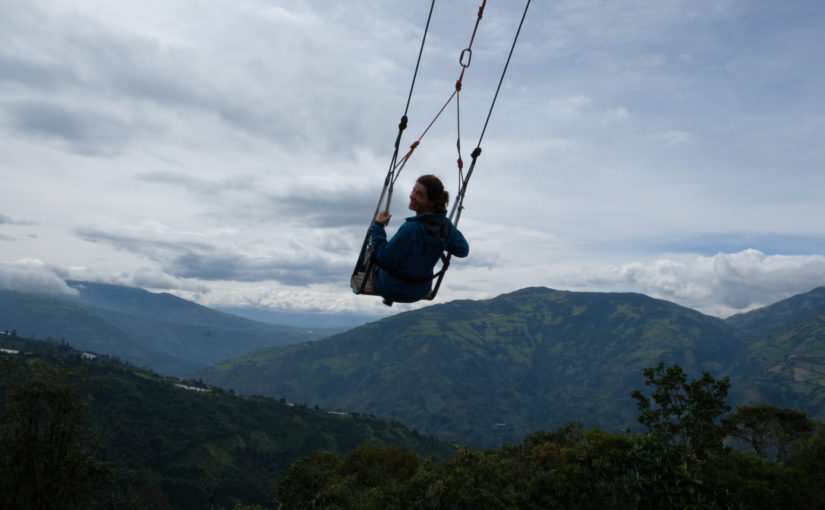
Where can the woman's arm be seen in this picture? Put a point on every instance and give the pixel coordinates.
(391, 253)
(383, 218)
(458, 245)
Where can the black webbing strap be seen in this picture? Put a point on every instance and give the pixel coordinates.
(362, 263)
(412, 279)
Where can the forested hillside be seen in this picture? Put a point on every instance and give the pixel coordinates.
(486, 372)
(785, 364)
(511, 372)
(167, 443)
(769, 320)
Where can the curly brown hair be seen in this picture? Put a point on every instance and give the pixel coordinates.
(435, 192)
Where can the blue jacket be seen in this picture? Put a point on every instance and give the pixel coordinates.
(407, 260)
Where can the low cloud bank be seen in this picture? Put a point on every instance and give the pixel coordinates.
(32, 275)
(723, 284)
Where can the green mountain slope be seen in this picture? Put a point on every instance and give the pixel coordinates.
(84, 327)
(781, 315)
(785, 365)
(166, 307)
(160, 331)
(492, 371)
(172, 436)
(787, 369)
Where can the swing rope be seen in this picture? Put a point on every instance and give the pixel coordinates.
(458, 205)
(455, 95)
(389, 180)
(365, 263)
(402, 125)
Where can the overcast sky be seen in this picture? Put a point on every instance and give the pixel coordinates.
(232, 152)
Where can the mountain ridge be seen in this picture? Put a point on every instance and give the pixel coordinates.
(493, 370)
(780, 315)
(484, 371)
(160, 331)
(786, 361)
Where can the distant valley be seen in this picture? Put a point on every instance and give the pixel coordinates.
(334, 322)
(162, 332)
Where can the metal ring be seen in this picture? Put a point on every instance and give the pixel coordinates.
(469, 58)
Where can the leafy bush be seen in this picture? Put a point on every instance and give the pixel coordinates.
(681, 462)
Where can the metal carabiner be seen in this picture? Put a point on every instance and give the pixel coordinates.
(469, 53)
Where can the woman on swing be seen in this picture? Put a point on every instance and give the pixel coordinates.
(405, 263)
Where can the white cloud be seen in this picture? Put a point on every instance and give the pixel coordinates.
(721, 284)
(217, 147)
(309, 299)
(8, 220)
(232, 65)
(32, 275)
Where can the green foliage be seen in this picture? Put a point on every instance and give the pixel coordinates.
(747, 481)
(570, 468)
(138, 490)
(807, 460)
(374, 474)
(370, 477)
(574, 468)
(769, 431)
(241, 506)
(671, 466)
(667, 475)
(684, 413)
(46, 456)
(304, 481)
(172, 446)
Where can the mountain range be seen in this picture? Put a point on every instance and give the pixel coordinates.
(167, 334)
(488, 372)
(474, 372)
